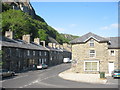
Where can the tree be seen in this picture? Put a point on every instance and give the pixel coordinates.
(42, 34)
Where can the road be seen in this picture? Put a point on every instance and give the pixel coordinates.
(48, 78)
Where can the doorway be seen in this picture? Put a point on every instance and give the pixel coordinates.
(110, 67)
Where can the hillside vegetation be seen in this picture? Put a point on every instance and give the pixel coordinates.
(21, 23)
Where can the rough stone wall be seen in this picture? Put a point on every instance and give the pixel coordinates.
(80, 52)
(114, 58)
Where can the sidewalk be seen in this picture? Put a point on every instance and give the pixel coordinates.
(88, 78)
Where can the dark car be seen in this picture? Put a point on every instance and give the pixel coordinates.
(116, 73)
(6, 73)
(42, 66)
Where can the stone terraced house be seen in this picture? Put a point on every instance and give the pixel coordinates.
(93, 54)
(21, 55)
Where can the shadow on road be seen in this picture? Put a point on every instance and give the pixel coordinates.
(9, 77)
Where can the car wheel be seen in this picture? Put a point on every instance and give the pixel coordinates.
(12, 74)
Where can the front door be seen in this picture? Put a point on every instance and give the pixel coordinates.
(110, 67)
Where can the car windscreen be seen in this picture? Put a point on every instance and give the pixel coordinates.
(116, 71)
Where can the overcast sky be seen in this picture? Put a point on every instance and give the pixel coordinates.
(79, 18)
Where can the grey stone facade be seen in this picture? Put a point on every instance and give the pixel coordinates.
(97, 56)
(21, 55)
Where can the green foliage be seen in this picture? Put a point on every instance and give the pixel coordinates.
(42, 34)
(22, 23)
(16, 21)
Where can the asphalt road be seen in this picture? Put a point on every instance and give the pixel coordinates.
(48, 78)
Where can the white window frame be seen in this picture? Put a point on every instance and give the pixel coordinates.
(91, 42)
(92, 53)
(45, 60)
(45, 53)
(33, 53)
(40, 53)
(28, 52)
(111, 53)
(92, 61)
(40, 61)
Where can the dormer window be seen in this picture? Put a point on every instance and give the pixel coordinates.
(91, 43)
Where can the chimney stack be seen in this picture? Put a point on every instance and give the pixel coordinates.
(61, 46)
(65, 45)
(9, 34)
(58, 46)
(50, 45)
(26, 38)
(54, 45)
(37, 41)
(43, 43)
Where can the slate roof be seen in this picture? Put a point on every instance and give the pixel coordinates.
(113, 42)
(87, 36)
(4, 41)
(54, 49)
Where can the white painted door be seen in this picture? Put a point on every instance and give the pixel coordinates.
(110, 67)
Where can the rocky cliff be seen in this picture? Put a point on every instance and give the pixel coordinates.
(23, 5)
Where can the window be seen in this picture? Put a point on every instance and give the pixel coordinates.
(91, 43)
(34, 53)
(45, 53)
(92, 53)
(45, 60)
(28, 52)
(40, 53)
(91, 66)
(40, 61)
(112, 53)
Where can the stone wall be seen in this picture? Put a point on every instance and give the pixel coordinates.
(80, 52)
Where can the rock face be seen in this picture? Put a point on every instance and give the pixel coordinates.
(23, 5)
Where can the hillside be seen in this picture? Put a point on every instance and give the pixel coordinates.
(20, 17)
(69, 36)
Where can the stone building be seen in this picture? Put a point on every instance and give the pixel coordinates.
(20, 55)
(93, 54)
(57, 53)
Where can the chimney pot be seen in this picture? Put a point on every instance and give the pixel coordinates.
(37, 41)
(9, 34)
(26, 38)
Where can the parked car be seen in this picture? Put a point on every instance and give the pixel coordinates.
(116, 73)
(42, 66)
(6, 73)
(66, 60)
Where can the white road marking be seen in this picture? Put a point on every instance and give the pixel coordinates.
(47, 78)
(36, 81)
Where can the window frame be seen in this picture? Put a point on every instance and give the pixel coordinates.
(40, 53)
(92, 53)
(45, 53)
(28, 52)
(91, 67)
(91, 42)
(111, 53)
(33, 53)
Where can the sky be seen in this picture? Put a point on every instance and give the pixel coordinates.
(79, 18)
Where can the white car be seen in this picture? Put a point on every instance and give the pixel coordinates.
(66, 60)
(42, 66)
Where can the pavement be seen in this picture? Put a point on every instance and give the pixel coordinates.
(79, 77)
